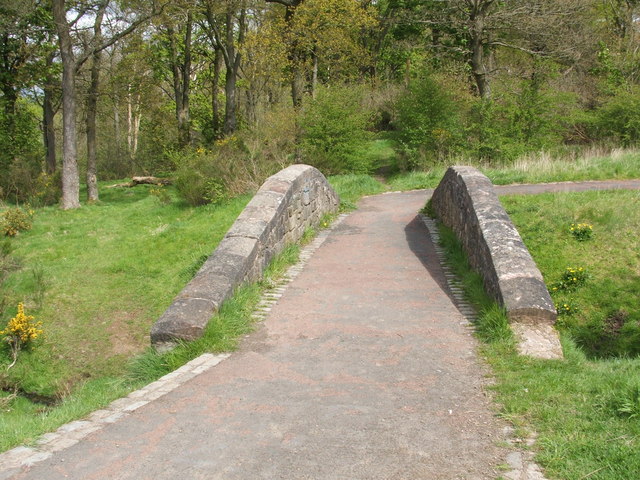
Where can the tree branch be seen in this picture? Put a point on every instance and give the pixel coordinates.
(110, 41)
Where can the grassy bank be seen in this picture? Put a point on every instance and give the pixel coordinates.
(541, 168)
(585, 409)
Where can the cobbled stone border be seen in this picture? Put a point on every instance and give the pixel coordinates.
(71, 433)
(521, 464)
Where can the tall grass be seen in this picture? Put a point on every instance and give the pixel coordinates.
(592, 164)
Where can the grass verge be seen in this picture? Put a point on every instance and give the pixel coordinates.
(22, 421)
(352, 187)
(585, 411)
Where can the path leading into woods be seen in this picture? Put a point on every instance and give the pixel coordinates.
(363, 369)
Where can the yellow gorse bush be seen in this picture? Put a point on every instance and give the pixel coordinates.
(20, 331)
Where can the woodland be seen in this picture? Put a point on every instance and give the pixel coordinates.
(219, 94)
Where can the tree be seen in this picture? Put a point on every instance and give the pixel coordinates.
(92, 105)
(25, 48)
(71, 63)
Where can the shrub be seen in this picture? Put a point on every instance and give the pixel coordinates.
(47, 189)
(197, 179)
(20, 332)
(335, 128)
(618, 119)
(428, 123)
(15, 220)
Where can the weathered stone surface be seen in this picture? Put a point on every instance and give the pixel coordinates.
(285, 206)
(465, 201)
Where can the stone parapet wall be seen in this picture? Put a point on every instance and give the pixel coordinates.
(465, 201)
(286, 205)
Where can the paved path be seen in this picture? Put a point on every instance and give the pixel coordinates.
(364, 369)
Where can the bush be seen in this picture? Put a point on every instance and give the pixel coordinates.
(230, 168)
(528, 119)
(15, 220)
(198, 179)
(335, 129)
(618, 119)
(428, 123)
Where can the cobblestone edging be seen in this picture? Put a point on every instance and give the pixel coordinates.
(71, 433)
(520, 462)
(285, 206)
(466, 202)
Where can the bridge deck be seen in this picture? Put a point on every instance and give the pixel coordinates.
(364, 369)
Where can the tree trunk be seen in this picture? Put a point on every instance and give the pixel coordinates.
(232, 62)
(70, 177)
(92, 105)
(215, 97)
(48, 132)
(296, 57)
(48, 116)
(477, 17)
(181, 81)
(314, 76)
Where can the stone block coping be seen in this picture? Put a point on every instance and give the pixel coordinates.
(466, 202)
(288, 203)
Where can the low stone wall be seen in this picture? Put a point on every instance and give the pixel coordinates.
(465, 201)
(285, 206)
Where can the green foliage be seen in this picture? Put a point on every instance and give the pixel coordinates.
(197, 178)
(628, 405)
(618, 119)
(335, 131)
(528, 119)
(20, 150)
(428, 123)
(351, 187)
(583, 412)
(161, 194)
(15, 220)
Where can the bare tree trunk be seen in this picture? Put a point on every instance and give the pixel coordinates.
(230, 119)
(70, 178)
(477, 18)
(129, 122)
(137, 116)
(116, 129)
(296, 58)
(215, 97)
(92, 105)
(181, 80)
(232, 61)
(314, 76)
(48, 115)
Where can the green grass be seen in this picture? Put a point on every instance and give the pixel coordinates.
(99, 276)
(603, 315)
(351, 187)
(585, 411)
(22, 421)
(534, 169)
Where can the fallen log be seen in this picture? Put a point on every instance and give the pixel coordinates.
(143, 181)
